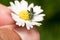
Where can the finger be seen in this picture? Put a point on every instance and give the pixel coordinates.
(7, 34)
(25, 34)
(5, 16)
(12, 27)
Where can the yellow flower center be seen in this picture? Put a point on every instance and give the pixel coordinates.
(24, 14)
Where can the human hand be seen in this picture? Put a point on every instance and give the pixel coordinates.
(6, 32)
(7, 23)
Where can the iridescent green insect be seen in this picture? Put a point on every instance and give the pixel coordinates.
(31, 13)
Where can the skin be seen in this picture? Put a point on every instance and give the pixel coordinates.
(7, 34)
(7, 25)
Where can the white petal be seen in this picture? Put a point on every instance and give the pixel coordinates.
(11, 3)
(35, 23)
(18, 20)
(14, 8)
(27, 26)
(30, 6)
(23, 24)
(17, 3)
(23, 5)
(31, 26)
(37, 10)
(15, 17)
(38, 17)
(19, 24)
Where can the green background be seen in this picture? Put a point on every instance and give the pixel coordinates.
(50, 30)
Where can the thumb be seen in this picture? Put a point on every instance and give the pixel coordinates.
(5, 16)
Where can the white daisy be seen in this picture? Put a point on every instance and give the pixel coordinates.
(26, 15)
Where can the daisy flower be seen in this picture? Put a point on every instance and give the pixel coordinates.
(25, 15)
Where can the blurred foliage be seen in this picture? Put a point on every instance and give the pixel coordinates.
(50, 30)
